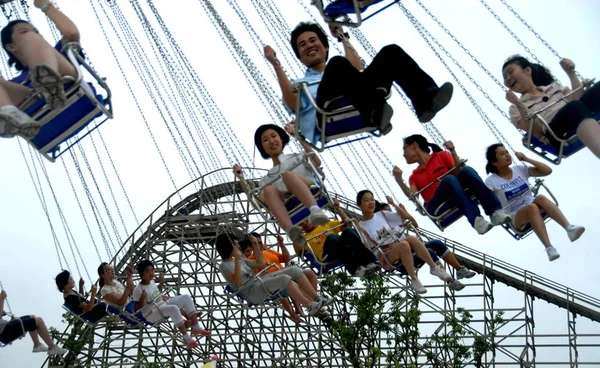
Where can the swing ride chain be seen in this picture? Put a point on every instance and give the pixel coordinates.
(6, 300)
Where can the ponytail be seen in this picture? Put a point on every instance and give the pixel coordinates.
(101, 274)
(434, 147)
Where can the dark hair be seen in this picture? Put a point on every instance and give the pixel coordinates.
(141, 267)
(422, 142)
(309, 27)
(101, 273)
(244, 243)
(62, 279)
(378, 206)
(224, 245)
(490, 155)
(6, 35)
(361, 194)
(285, 138)
(540, 75)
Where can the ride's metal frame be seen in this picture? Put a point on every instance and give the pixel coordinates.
(178, 238)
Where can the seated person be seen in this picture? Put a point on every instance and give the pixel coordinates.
(378, 228)
(347, 77)
(18, 327)
(336, 241)
(154, 306)
(450, 188)
(111, 290)
(37, 60)
(538, 89)
(89, 310)
(510, 182)
(275, 259)
(270, 140)
(237, 271)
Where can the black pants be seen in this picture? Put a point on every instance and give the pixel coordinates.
(567, 120)
(348, 248)
(16, 328)
(390, 65)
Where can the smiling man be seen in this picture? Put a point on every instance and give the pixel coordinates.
(346, 76)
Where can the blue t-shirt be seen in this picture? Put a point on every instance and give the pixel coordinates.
(308, 114)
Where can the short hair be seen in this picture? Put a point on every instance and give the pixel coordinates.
(308, 27)
(224, 245)
(141, 267)
(361, 194)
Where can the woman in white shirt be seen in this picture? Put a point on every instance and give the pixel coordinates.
(111, 290)
(538, 89)
(379, 228)
(511, 185)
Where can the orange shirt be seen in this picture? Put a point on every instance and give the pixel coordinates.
(271, 257)
(439, 163)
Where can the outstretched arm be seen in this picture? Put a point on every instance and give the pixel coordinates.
(64, 24)
(338, 33)
(284, 82)
(409, 192)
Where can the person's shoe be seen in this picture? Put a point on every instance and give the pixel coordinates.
(360, 271)
(318, 218)
(325, 300)
(294, 233)
(482, 226)
(382, 118)
(574, 232)
(417, 286)
(500, 217)
(441, 274)
(200, 331)
(441, 98)
(322, 314)
(15, 122)
(552, 253)
(50, 84)
(40, 348)
(191, 343)
(464, 273)
(371, 268)
(456, 285)
(313, 308)
(57, 351)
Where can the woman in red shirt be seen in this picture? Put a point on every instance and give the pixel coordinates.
(452, 187)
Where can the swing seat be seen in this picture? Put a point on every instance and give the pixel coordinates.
(83, 316)
(445, 215)
(63, 128)
(272, 299)
(324, 267)
(124, 314)
(340, 8)
(418, 262)
(298, 212)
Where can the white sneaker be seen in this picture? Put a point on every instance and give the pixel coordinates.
(464, 273)
(314, 308)
(360, 271)
(371, 268)
(440, 273)
(40, 348)
(318, 218)
(552, 253)
(574, 232)
(500, 217)
(482, 226)
(15, 122)
(57, 351)
(417, 286)
(456, 285)
(325, 301)
(294, 233)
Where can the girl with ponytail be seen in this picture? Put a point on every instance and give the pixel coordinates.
(434, 163)
(538, 89)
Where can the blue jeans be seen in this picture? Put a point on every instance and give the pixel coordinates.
(452, 189)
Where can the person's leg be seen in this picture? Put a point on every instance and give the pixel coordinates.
(285, 304)
(578, 117)
(588, 132)
(450, 190)
(443, 252)
(419, 249)
(299, 186)
(273, 200)
(530, 214)
(546, 205)
(354, 253)
(402, 251)
(300, 278)
(12, 93)
(312, 278)
(469, 178)
(186, 302)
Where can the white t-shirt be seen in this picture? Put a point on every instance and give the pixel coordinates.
(286, 162)
(390, 221)
(509, 189)
(117, 290)
(152, 296)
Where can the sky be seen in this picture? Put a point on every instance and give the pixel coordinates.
(30, 262)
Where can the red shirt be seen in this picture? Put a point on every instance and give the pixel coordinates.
(439, 163)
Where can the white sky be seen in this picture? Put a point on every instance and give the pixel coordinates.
(29, 263)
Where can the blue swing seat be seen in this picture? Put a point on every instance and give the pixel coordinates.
(418, 262)
(445, 215)
(341, 8)
(321, 268)
(298, 212)
(85, 316)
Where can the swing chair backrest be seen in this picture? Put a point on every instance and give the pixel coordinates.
(83, 108)
(568, 146)
(341, 8)
(338, 118)
(526, 230)
(325, 266)
(297, 211)
(445, 214)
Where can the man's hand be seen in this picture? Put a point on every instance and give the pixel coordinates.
(270, 55)
(237, 171)
(397, 172)
(336, 30)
